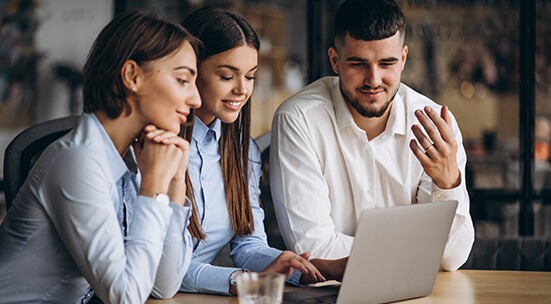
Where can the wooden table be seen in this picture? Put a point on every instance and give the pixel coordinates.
(463, 286)
(489, 286)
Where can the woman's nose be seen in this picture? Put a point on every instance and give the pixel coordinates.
(240, 88)
(195, 100)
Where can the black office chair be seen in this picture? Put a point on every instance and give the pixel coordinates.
(25, 149)
(527, 253)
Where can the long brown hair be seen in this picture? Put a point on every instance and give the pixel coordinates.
(221, 30)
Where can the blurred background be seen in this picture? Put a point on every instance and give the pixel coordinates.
(489, 61)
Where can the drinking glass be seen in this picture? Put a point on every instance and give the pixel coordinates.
(255, 289)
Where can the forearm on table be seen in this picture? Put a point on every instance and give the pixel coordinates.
(176, 256)
(207, 278)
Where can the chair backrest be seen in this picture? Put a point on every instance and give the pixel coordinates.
(263, 141)
(528, 253)
(25, 149)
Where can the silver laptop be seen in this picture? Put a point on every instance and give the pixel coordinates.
(396, 256)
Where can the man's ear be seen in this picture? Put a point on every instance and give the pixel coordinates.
(404, 56)
(334, 59)
(130, 74)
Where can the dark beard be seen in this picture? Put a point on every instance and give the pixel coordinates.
(368, 112)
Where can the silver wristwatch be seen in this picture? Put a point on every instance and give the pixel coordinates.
(235, 274)
(162, 198)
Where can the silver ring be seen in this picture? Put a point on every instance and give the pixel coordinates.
(430, 147)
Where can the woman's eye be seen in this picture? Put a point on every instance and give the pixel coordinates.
(182, 81)
(250, 77)
(226, 78)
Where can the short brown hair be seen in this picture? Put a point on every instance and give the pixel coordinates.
(368, 20)
(133, 35)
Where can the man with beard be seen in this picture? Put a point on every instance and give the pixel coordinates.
(364, 140)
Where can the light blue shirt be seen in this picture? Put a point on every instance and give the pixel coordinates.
(250, 251)
(67, 232)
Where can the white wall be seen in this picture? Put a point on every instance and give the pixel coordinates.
(68, 29)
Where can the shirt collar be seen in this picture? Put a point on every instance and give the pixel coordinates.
(342, 113)
(117, 163)
(344, 117)
(200, 129)
(396, 123)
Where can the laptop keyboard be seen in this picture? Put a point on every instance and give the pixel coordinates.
(330, 299)
(304, 298)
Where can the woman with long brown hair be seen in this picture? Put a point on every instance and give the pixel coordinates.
(225, 164)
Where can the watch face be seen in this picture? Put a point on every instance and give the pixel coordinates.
(163, 198)
(234, 275)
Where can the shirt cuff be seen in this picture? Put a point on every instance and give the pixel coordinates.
(147, 214)
(222, 284)
(178, 222)
(294, 279)
(446, 194)
(145, 198)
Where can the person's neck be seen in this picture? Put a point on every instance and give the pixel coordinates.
(205, 116)
(122, 130)
(373, 126)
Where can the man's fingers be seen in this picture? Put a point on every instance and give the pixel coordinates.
(443, 123)
(311, 270)
(445, 114)
(437, 126)
(423, 140)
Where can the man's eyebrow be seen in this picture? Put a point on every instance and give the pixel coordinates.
(233, 68)
(359, 59)
(183, 67)
(355, 58)
(389, 59)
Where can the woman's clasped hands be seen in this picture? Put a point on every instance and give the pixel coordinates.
(157, 151)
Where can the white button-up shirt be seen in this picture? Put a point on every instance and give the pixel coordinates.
(324, 172)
